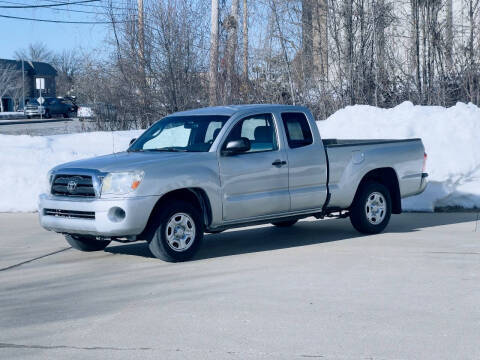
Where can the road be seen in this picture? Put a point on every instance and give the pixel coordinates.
(317, 290)
(37, 127)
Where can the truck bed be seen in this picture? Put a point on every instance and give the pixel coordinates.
(349, 157)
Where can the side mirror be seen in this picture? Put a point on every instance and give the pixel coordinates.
(132, 141)
(237, 146)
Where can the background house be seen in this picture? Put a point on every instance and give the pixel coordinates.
(11, 89)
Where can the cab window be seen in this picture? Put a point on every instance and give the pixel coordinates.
(297, 129)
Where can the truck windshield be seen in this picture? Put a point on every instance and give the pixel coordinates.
(181, 133)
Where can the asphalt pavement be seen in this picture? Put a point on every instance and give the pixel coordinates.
(316, 290)
(41, 127)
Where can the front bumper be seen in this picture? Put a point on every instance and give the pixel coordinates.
(136, 213)
(34, 112)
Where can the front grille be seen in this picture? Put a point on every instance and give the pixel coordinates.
(73, 214)
(73, 185)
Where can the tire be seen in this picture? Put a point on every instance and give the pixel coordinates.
(178, 216)
(47, 114)
(371, 208)
(29, 117)
(85, 243)
(65, 115)
(284, 224)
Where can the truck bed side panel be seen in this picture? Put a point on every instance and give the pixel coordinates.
(350, 163)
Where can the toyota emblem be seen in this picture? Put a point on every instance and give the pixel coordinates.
(71, 186)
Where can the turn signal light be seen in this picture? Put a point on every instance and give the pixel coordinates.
(135, 184)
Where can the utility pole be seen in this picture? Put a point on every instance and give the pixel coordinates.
(245, 41)
(141, 34)
(23, 85)
(232, 27)
(141, 56)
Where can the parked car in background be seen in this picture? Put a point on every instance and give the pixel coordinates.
(50, 107)
(33, 108)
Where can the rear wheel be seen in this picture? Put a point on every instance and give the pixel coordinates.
(84, 243)
(47, 114)
(283, 224)
(371, 209)
(65, 115)
(179, 232)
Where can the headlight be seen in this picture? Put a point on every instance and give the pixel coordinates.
(122, 182)
(49, 179)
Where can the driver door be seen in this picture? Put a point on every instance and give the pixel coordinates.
(254, 183)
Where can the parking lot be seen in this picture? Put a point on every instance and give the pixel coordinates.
(40, 127)
(317, 290)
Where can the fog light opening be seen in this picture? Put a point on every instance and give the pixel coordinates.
(116, 214)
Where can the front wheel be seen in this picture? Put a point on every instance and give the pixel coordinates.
(86, 243)
(179, 232)
(371, 208)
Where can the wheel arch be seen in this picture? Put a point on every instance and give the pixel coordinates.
(196, 196)
(388, 178)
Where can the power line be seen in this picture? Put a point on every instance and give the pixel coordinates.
(64, 22)
(63, 9)
(44, 5)
(97, 6)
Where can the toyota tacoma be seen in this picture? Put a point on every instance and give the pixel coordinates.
(210, 169)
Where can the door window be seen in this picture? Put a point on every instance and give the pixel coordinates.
(259, 129)
(297, 129)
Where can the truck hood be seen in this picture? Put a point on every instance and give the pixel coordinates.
(126, 161)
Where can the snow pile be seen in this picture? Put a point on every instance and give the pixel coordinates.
(25, 161)
(451, 137)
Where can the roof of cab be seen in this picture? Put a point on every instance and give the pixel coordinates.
(229, 110)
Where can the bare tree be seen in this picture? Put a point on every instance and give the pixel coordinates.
(35, 52)
(307, 42)
(322, 53)
(9, 81)
(320, 40)
(349, 46)
(67, 63)
(232, 42)
(282, 39)
(449, 35)
(245, 42)
(213, 69)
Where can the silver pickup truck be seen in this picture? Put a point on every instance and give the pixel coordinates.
(211, 169)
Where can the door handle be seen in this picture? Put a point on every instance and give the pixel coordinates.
(279, 163)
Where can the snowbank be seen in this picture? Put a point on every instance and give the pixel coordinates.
(25, 161)
(451, 137)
